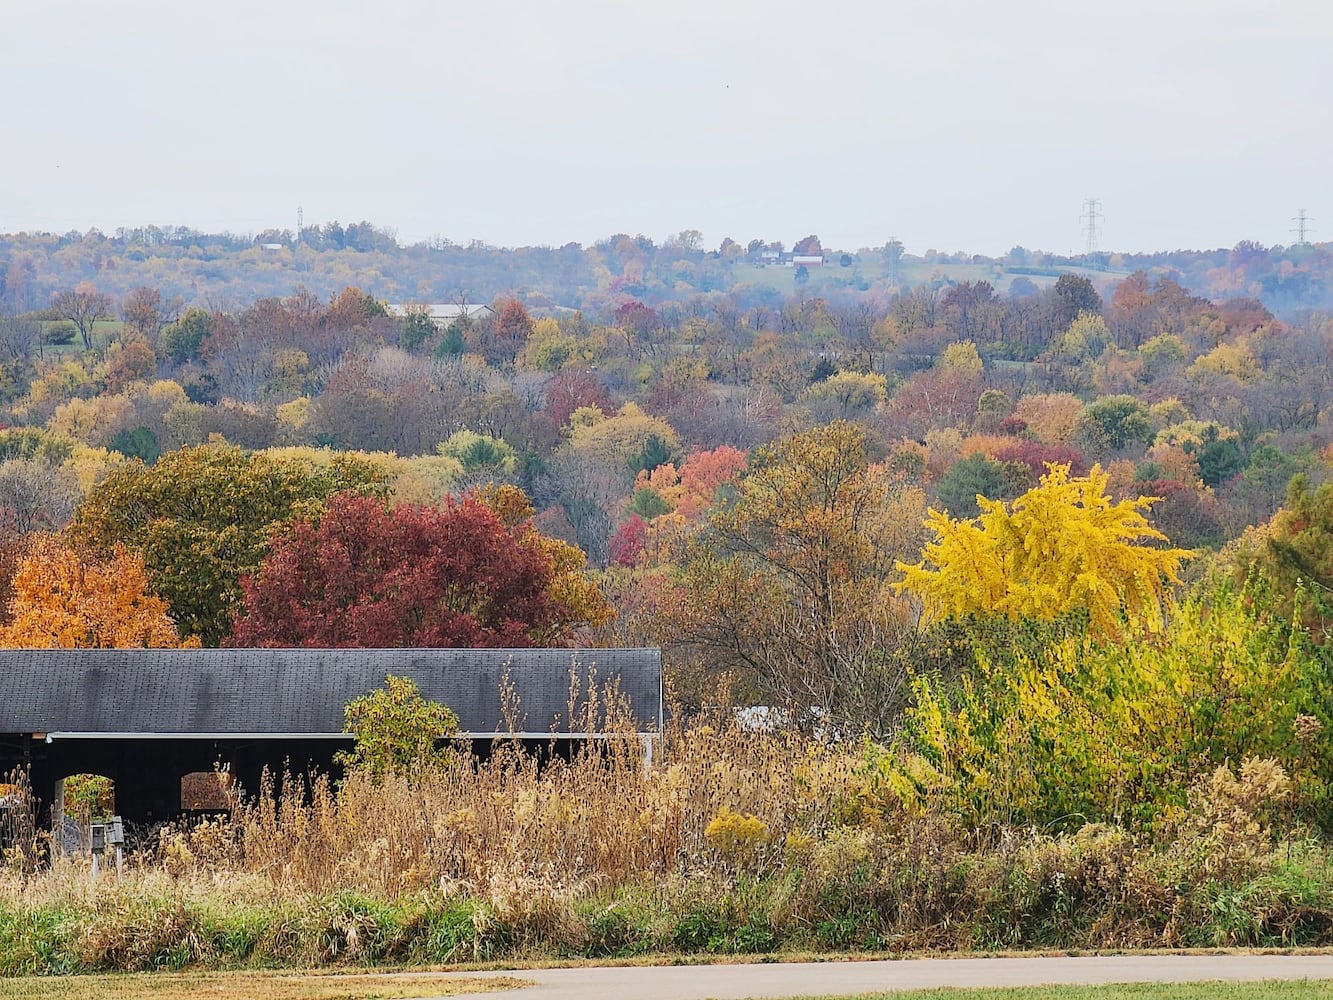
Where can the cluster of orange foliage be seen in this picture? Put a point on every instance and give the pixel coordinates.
(64, 600)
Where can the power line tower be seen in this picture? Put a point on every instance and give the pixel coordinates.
(893, 255)
(1303, 226)
(300, 222)
(1091, 219)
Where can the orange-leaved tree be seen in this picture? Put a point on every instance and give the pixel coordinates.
(1062, 547)
(64, 600)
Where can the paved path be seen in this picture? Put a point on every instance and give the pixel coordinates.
(728, 982)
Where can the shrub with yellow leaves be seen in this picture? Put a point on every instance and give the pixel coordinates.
(1062, 546)
(738, 837)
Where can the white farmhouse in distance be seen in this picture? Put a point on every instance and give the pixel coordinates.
(441, 313)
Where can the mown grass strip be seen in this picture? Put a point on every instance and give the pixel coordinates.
(1268, 990)
(246, 986)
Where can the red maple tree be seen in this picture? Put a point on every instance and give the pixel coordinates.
(369, 575)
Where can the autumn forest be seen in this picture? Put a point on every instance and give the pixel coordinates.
(935, 546)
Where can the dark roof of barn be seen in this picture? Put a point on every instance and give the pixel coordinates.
(301, 692)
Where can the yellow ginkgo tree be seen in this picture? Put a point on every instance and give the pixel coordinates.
(63, 600)
(1062, 547)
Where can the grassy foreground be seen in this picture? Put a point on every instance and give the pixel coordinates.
(740, 844)
(1295, 990)
(244, 986)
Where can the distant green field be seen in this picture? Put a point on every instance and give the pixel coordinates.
(103, 332)
(912, 272)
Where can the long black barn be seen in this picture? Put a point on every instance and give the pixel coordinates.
(146, 718)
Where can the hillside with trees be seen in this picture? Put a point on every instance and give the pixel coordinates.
(225, 271)
(622, 387)
(945, 555)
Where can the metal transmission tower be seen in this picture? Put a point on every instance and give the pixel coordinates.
(300, 222)
(893, 255)
(1091, 219)
(1303, 226)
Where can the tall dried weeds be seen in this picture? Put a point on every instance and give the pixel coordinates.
(732, 840)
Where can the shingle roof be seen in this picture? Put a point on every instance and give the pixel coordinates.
(303, 691)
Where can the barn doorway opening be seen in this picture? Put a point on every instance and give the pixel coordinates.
(80, 801)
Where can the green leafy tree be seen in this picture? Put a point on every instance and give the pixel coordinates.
(1114, 423)
(1161, 354)
(202, 517)
(1262, 487)
(454, 341)
(1290, 560)
(655, 452)
(648, 503)
(1219, 457)
(140, 443)
(1063, 546)
(977, 475)
(1086, 337)
(418, 328)
(480, 453)
(89, 797)
(396, 730)
(182, 339)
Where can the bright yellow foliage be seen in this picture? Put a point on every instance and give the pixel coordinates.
(735, 834)
(89, 419)
(615, 439)
(57, 382)
(1086, 337)
(585, 603)
(961, 356)
(294, 414)
(165, 393)
(1083, 730)
(1193, 432)
(63, 601)
(89, 466)
(853, 391)
(1236, 359)
(424, 479)
(1063, 546)
(549, 347)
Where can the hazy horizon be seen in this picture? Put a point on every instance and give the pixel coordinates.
(957, 126)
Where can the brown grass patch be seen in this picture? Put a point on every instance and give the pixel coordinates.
(247, 985)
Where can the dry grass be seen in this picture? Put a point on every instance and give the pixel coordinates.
(246, 986)
(513, 823)
(734, 842)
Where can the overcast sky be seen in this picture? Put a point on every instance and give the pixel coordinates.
(955, 124)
